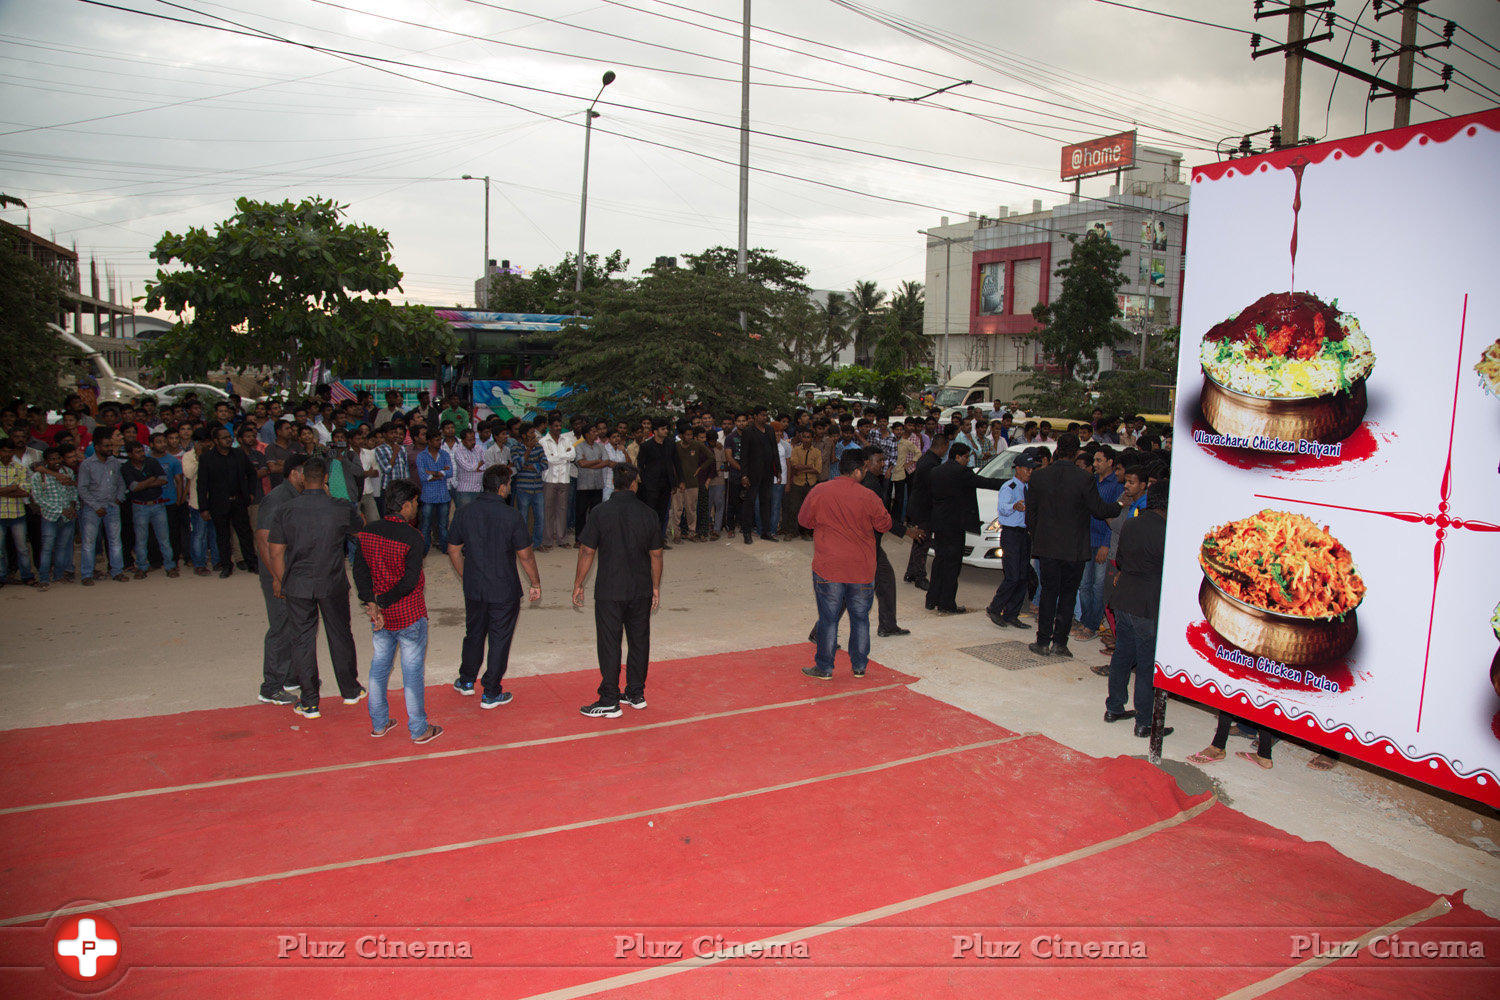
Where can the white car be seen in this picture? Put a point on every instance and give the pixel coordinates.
(983, 549)
(208, 395)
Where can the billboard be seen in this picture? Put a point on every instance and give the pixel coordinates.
(1099, 156)
(524, 398)
(1330, 566)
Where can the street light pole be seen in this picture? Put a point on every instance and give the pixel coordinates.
(589, 115)
(741, 258)
(484, 280)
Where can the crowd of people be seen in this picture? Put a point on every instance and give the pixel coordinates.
(304, 492)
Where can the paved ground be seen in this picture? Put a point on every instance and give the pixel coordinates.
(163, 646)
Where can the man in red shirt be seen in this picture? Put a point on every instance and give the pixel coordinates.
(844, 517)
(392, 590)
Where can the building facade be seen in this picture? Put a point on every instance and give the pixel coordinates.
(1011, 259)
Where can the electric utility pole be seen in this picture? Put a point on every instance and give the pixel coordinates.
(741, 261)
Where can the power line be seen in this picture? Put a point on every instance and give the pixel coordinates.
(1175, 17)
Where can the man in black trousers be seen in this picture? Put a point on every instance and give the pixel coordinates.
(760, 467)
(307, 542)
(277, 680)
(658, 472)
(486, 540)
(919, 508)
(955, 509)
(626, 536)
(226, 485)
(1060, 499)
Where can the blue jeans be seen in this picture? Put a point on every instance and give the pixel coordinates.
(146, 518)
(413, 643)
(203, 542)
(833, 600)
(434, 520)
(90, 522)
(57, 549)
(530, 503)
(1135, 654)
(15, 527)
(1091, 595)
(777, 491)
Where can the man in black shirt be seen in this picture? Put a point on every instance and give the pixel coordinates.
(626, 534)
(307, 543)
(954, 510)
(277, 680)
(226, 487)
(1059, 501)
(919, 509)
(760, 467)
(1136, 600)
(658, 472)
(144, 479)
(484, 542)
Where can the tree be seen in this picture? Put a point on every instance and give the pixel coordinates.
(866, 303)
(1079, 323)
(30, 293)
(550, 290)
(671, 336)
(903, 344)
(888, 387)
(812, 332)
(285, 284)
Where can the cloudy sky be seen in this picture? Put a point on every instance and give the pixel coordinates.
(116, 126)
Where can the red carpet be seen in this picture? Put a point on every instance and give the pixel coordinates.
(891, 844)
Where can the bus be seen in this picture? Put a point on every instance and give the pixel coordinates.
(494, 369)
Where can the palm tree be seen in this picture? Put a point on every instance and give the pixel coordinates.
(866, 303)
(832, 327)
(903, 344)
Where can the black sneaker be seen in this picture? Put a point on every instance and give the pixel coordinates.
(307, 711)
(278, 698)
(463, 687)
(886, 633)
(503, 698)
(1058, 649)
(858, 671)
(999, 620)
(1145, 731)
(1039, 649)
(815, 672)
(601, 710)
(634, 700)
(355, 699)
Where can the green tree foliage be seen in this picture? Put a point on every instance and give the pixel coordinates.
(866, 304)
(903, 345)
(889, 388)
(674, 335)
(30, 293)
(285, 284)
(813, 332)
(1081, 321)
(1127, 391)
(550, 290)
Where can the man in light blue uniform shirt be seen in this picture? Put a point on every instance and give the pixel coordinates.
(1015, 548)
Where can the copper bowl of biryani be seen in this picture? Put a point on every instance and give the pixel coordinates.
(1277, 585)
(1289, 366)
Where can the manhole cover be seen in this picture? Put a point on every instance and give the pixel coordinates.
(1010, 655)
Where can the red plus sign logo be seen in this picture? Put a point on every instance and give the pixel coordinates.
(87, 948)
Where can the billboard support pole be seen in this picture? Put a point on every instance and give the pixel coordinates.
(1158, 720)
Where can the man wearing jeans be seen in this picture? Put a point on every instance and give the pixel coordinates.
(531, 462)
(392, 589)
(488, 538)
(56, 495)
(1136, 600)
(1091, 587)
(100, 490)
(144, 480)
(434, 468)
(843, 516)
(14, 492)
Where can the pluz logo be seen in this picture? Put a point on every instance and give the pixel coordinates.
(87, 948)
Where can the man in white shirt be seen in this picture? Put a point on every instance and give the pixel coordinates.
(371, 504)
(560, 454)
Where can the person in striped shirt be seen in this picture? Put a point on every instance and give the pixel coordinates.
(390, 457)
(526, 485)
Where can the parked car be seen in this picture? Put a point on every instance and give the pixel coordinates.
(207, 394)
(983, 549)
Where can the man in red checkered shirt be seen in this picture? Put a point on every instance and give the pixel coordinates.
(392, 591)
